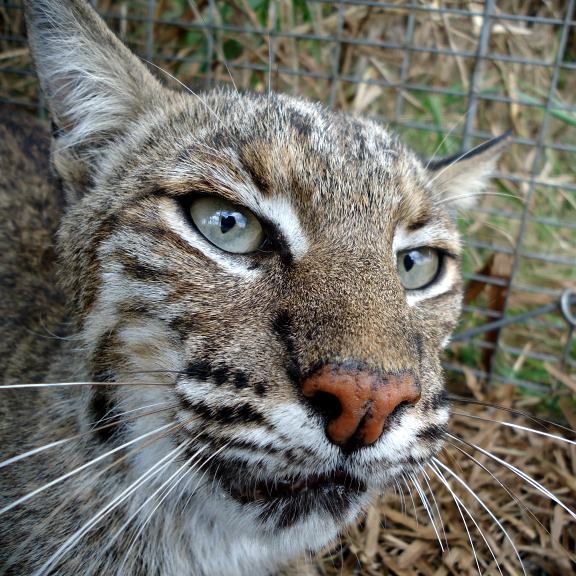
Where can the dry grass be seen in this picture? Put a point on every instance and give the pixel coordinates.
(304, 65)
(398, 537)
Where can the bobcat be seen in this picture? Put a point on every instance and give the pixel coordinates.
(255, 294)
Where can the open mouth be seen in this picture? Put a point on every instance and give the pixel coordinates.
(267, 491)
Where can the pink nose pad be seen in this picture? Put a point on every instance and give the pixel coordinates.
(366, 399)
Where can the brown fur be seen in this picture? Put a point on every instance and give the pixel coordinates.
(234, 335)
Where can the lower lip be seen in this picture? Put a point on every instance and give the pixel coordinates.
(285, 489)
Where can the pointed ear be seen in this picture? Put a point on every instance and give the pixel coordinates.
(460, 178)
(94, 86)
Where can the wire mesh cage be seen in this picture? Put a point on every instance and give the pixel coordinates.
(446, 75)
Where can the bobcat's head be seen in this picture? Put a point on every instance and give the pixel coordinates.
(290, 272)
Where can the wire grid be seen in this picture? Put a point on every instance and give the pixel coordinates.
(447, 75)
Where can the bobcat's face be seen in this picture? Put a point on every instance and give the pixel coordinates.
(290, 273)
(239, 334)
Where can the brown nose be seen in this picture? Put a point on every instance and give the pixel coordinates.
(366, 399)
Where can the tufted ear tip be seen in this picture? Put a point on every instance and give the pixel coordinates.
(460, 178)
(95, 88)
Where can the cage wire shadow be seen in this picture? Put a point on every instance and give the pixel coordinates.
(446, 75)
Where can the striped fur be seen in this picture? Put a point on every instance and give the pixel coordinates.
(233, 335)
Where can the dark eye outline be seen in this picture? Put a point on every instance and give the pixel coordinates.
(442, 255)
(268, 245)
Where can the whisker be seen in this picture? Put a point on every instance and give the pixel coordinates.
(427, 478)
(499, 229)
(128, 412)
(519, 473)
(123, 527)
(195, 9)
(398, 490)
(517, 426)
(90, 481)
(135, 538)
(172, 480)
(83, 467)
(129, 372)
(81, 435)
(523, 506)
(536, 419)
(457, 159)
(62, 384)
(460, 505)
(478, 194)
(411, 498)
(472, 108)
(110, 506)
(427, 507)
(191, 92)
(479, 500)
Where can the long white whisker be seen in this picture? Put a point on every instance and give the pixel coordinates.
(193, 473)
(64, 384)
(459, 504)
(472, 108)
(174, 480)
(167, 492)
(400, 492)
(191, 92)
(427, 480)
(427, 507)
(479, 500)
(79, 436)
(80, 468)
(541, 421)
(411, 498)
(123, 527)
(519, 473)
(120, 414)
(512, 495)
(63, 504)
(458, 158)
(511, 425)
(477, 195)
(195, 9)
(156, 469)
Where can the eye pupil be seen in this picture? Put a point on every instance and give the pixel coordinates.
(408, 262)
(227, 223)
(418, 267)
(230, 227)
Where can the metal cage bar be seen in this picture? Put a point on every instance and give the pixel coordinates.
(328, 31)
(539, 147)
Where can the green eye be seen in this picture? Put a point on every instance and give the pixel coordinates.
(230, 227)
(418, 267)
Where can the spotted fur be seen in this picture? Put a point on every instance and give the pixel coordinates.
(228, 338)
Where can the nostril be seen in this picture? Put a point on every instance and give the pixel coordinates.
(357, 403)
(326, 404)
